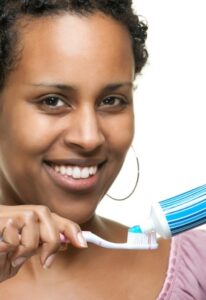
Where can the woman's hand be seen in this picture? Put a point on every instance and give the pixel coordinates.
(26, 229)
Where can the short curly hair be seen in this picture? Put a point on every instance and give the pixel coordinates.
(13, 10)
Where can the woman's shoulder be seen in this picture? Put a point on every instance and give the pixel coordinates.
(186, 270)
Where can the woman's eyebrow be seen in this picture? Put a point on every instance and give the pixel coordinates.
(59, 86)
(108, 88)
(114, 86)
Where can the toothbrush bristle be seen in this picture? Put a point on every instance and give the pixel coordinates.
(136, 237)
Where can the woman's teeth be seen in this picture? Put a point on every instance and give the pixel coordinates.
(76, 172)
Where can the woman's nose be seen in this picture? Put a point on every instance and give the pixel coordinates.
(84, 131)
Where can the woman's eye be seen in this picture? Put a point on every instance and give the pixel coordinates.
(112, 101)
(53, 102)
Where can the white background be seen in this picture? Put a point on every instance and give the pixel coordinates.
(170, 110)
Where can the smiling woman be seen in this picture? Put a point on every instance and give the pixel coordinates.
(66, 123)
(70, 107)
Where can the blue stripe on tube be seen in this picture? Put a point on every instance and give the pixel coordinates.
(184, 197)
(185, 211)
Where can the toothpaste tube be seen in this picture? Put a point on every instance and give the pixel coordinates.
(177, 214)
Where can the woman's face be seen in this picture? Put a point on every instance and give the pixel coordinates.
(66, 118)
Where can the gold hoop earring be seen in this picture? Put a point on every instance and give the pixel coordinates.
(136, 181)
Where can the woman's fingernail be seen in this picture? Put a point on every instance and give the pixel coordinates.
(49, 261)
(18, 261)
(82, 240)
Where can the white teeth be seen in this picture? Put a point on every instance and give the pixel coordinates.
(69, 171)
(85, 173)
(63, 170)
(92, 170)
(76, 172)
(56, 168)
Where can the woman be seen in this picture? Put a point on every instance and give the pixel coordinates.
(66, 123)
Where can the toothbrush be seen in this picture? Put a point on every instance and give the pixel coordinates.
(136, 240)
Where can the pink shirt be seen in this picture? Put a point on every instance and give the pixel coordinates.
(186, 274)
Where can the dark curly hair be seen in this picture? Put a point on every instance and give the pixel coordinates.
(13, 10)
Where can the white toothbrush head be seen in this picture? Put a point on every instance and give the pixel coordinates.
(142, 240)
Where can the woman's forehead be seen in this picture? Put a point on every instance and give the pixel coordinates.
(70, 45)
(88, 32)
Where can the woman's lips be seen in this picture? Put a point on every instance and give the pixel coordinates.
(79, 178)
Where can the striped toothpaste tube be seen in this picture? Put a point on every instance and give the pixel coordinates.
(177, 214)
